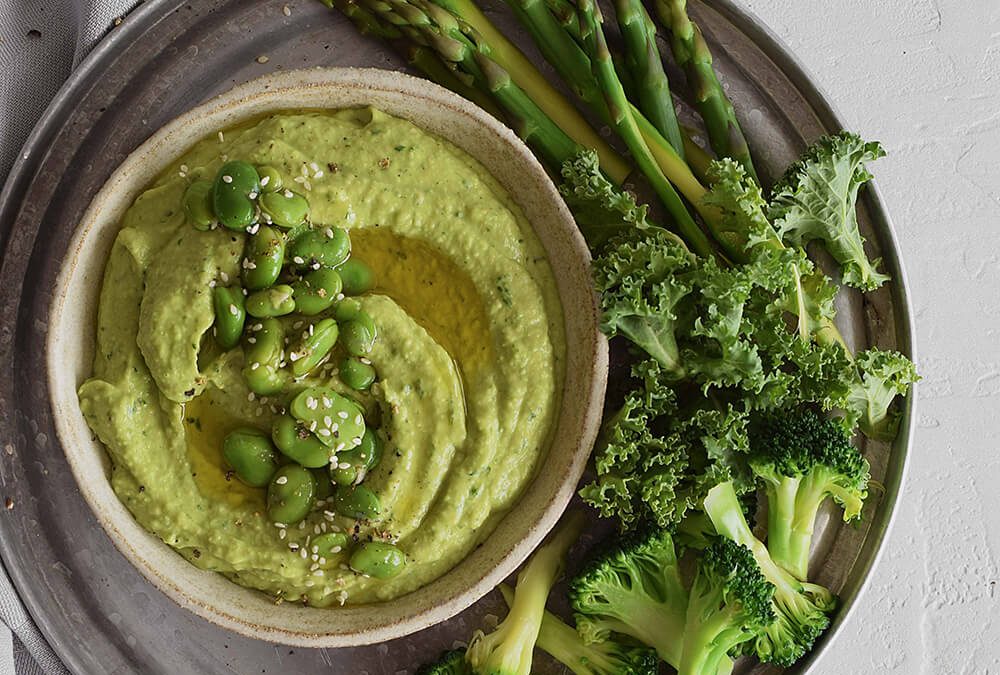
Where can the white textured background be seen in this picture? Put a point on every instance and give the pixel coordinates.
(923, 76)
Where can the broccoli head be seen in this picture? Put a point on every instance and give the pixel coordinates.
(802, 459)
(634, 588)
(801, 609)
(452, 662)
(730, 603)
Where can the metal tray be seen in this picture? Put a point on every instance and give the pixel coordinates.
(99, 614)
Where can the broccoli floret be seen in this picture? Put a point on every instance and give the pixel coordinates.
(730, 603)
(634, 588)
(802, 608)
(508, 649)
(802, 459)
(610, 657)
(452, 662)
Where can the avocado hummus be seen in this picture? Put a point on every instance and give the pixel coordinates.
(469, 357)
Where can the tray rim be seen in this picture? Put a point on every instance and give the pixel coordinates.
(147, 14)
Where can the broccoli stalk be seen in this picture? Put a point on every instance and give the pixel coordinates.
(730, 603)
(802, 608)
(508, 649)
(635, 589)
(563, 643)
(451, 662)
(803, 459)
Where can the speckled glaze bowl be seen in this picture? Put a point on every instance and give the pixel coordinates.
(72, 325)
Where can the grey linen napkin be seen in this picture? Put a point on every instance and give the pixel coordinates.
(41, 41)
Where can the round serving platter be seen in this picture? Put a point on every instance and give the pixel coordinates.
(99, 613)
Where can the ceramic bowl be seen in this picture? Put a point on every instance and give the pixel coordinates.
(72, 325)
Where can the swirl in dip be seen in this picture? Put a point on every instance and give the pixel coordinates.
(469, 357)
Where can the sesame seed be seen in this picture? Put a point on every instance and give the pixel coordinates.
(288, 194)
(343, 415)
(281, 480)
(322, 560)
(314, 567)
(323, 432)
(359, 420)
(319, 573)
(329, 232)
(311, 403)
(256, 364)
(262, 59)
(184, 168)
(224, 277)
(234, 310)
(303, 554)
(365, 361)
(250, 396)
(318, 174)
(252, 195)
(227, 179)
(327, 402)
(298, 260)
(328, 421)
(282, 534)
(280, 525)
(307, 185)
(299, 179)
(264, 181)
(221, 140)
(336, 549)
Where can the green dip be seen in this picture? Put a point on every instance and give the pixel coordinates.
(470, 356)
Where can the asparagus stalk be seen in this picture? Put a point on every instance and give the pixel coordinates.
(692, 54)
(697, 157)
(536, 87)
(643, 61)
(622, 117)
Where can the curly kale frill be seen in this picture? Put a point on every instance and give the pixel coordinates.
(817, 200)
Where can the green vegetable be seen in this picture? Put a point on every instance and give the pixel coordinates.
(250, 453)
(262, 258)
(356, 501)
(730, 603)
(353, 464)
(316, 291)
(378, 560)
(230, 315)
(198, 205)
(314, 347)
(451, 662)
(274, 301)
(356, 374)
(357, 276)
(336, 420)
(882, 376)
(346, 309)
(262, 356)
(634, 588)
(608, 657)
(508, 649)
(320, 248)
(270, 179)
(358, 335)
(297, 443)
(802, 459)
(291, 494)
(692, 54)
(817, 200)
(234, 192)
(284, 208)
(330, 543)
(802, 609)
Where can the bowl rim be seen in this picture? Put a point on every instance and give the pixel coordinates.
(422, 608)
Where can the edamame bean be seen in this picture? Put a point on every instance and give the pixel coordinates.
(284, 208)
(356, 374)
(378, 559)
(330, 544)
(263, 255)
(198, 205)
(316, 291)
(315, 346)
(352, 465)
(262, 356)
(251, 455)
(291, 494)
(356, 502)
(230, 315)
(297, 443)
(327, 247)
(357, 335)
(236, 187)
(270, 179)
(274, 301)
(346, 309)
(339, 421)
(357, 276)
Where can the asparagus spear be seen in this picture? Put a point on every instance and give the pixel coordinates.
(621, 114)
(642, 60)
(692, 54)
